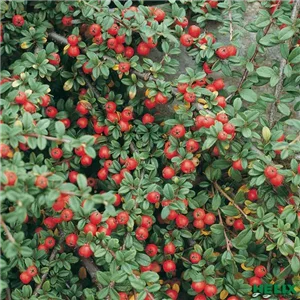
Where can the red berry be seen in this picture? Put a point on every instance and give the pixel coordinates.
(113, 30)
(198, 287)
(270, 172)
(11, 177)
(104, 152)
(111, 223)
(29, 107)
(237, 165)
(85, 69)
(187, 166)
(147, 119)
(199, 214)
(192, 146)
(86, 160)
(238, 224)
(254, 281)
(73, 176)
(219, 84)
(207, 69)
(195, 257)
(277, 180)
(94, 29)
(200, 297)
(85, 251)
(189, 97)
(82, 122)
(169, 266)
(128, 52)
(186, 40)
(159, 14)
(252, 195)
(182, 221)
(42, 247)
(168, 172)
(124, 67)
(98, 39)
(151, 250)
(89, 227)
(121, 39)
(25, 277)
(231, 50)
(71, 239)
(95, 218)
(67, 215)
(50, 242)
(169, 248)
(222, 52)
(122, 217)
(72, 40)
(184, 23)
(172, 294)
(153, 197)
(56, 153)
(210, 290)
(18, 20)
(73, 51)
(221, 101)
(32, 271)
(54, 59)
(151, 44)
(209, 219)
(21, 98)
(182, 87)
(222, 136)
(146, 222)
(260, 271)
(141, 233)
(143, 49)
(229, 128)
(45, 100)
(4, 150)
(178, 131)
(67, 21)
(194, 31)
(51, 112)
(41, 182)
(160, 98)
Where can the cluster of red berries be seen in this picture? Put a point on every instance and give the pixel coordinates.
(28, 106)
(201, 286)
(49, 242)
(226, 51)
(274, 177)
(201, 218)
(259, 272)
(4, 150)
(27, 275)
(73, 50)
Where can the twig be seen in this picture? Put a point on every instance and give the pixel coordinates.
(6, 230)
(49, 138)
(230, 20)
(8, 293)
(51, 258)
(228, 242)
(89, 84)
(92, 270)
(279, 85)
(230, 199)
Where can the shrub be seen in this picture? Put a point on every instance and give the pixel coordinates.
(122, 179)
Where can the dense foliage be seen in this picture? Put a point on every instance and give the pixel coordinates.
(122, 179)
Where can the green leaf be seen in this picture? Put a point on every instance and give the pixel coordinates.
(81, 181)
(295, 264)
(248, 95)
(286, 33)
(243, 239)
(294, 57)
(265, 72)
(168, 191)
(60, 128)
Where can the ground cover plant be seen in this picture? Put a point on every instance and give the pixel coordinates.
(123, 178)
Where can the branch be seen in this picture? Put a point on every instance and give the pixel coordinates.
(230, 20)
(279, 85)
(49, 138)
(230, 199)
(92, 270)
(6, 230)
(228, 242)
(51, 258)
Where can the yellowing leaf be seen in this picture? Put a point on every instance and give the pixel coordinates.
(244, 188)
(115, 67)
(223, 295)
(176, 287)
(246, 268)
(82, 273)
(68, 84)
(202, 101)
(203, 47)
(66, 48)
(205, 232)
(25, 45)
(147, 92)
(247, 211)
